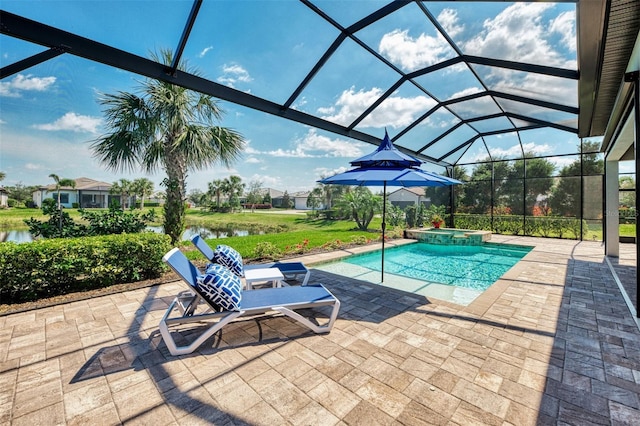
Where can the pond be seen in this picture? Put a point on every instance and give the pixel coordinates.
(23, 236)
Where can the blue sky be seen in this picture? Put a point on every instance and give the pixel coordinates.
(50, 113)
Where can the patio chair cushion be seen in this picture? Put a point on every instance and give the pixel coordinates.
(229, 257)
(222, 288)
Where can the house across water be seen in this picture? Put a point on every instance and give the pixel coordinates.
(88, 193)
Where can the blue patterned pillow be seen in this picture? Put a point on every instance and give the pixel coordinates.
(222, 288)
(227, 256)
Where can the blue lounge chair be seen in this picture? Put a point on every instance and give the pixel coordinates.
(284, 300)
(290, 270)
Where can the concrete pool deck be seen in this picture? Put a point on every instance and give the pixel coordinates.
(553, 342)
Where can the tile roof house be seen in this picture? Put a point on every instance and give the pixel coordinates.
(88, 193)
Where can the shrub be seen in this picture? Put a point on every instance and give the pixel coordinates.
(267, 250)
(112, 221)
(333, 245)
(53, 267)
(360, 240)
(256, 206)
(299, 248)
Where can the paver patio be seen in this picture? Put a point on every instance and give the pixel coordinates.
(553, 342)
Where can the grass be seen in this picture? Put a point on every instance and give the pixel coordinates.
(300, 234)
(287, 232)
(284, 231)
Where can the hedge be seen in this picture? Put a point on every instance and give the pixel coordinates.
(545, 226)
(52, 267)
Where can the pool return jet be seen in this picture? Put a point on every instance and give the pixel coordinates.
(387, 166)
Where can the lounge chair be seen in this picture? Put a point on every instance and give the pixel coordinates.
(284, 300)
(290, 270)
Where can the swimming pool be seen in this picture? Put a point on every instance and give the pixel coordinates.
(455, 273)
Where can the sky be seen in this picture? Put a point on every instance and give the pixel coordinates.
(50, 113)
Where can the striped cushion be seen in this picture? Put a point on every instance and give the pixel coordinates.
(221, 288)
(227, 256)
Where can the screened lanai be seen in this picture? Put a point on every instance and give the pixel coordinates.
(529, 103)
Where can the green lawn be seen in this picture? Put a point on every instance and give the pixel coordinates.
(289, 233)
(297, 233)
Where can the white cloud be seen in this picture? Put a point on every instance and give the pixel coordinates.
(266, 181)
(448, 18)
(413, 53)
(233, 74)
(394, 111)
(313, 145)
(73, 122)
(516, 152)
(31, 166)
(565, 25)
(519, 34)
(204, 51)
(252, 160)
(324, 172)
(20, 83)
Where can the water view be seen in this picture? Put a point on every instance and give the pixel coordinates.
(23, 235)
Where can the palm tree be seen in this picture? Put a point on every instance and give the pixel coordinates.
(233, 188)
(215, 189)
(2, 176)
(142, 187)
(60, 183)
(167, 127)
(123, 187)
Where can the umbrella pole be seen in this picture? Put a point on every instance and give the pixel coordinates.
(384, 225)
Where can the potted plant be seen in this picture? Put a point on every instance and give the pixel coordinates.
(436, 220)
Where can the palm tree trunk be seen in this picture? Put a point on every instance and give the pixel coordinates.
(175, 183)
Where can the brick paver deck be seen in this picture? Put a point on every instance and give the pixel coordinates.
(553, 342)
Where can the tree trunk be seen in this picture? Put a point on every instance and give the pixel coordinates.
(174, 211)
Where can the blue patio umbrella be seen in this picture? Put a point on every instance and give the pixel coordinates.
(387, 166)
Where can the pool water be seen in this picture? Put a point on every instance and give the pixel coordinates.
(454, 273)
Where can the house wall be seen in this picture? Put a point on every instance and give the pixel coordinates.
(300, 203)
(403, 198)
(43, 194)
(4, 199)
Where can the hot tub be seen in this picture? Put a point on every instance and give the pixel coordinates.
(449, 236)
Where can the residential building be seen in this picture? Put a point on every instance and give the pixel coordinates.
(88, 193)
(404, 197)
(4, 197)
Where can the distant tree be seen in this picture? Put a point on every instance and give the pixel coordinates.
(142, 187)
(124, 188)
(166, 126)
(21, 193)
(330, 192)
(215, 189)
(627, 198)
(233, 188)
(287, 202)
(477, 192)
(538, 182)
(314, 201)
(197, 197)
(363, 205)
(565, 197)
(254, 193)
(59, 183)
(267, 198)
(2, 176)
